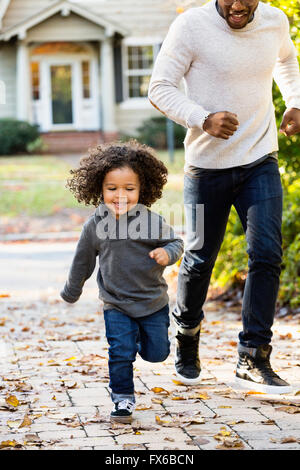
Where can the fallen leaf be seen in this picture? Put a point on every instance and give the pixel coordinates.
(289, 409)
(13, 424)
(160, 390)
(143, 407)
(230, 443)
(26, 422)
(12, 401)
(254, 392)
(288, 440)
(177, 382)
(157, 401)
(5, 444)
(200, 396)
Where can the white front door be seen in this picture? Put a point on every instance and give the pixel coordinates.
(62, 90)
(69, 94)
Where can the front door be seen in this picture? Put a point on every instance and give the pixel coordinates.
(61, 94)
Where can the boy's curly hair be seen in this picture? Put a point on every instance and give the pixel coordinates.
(86, 183)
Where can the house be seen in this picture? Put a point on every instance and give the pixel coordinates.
(80, 69)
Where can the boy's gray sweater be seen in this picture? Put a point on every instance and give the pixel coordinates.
(128, 279)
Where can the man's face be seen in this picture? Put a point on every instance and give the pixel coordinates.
(237, 13)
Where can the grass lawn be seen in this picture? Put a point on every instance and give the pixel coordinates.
(35, 186)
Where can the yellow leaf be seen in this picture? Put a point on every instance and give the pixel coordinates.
(73, 358)
(225, 433)
(160, 390)
(224, 406)
(178, 398)
(26, 422)
(160, 421)
(177, 382)
(253, 392)
(4, 444)
(201, 396)
(12, 401)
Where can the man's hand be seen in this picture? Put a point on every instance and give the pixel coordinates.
(290, 124)
(160, 256)
(221, 125)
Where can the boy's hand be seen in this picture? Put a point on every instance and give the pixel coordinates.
(160, 256)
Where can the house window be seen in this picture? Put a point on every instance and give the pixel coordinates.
(140, 61)
(86, 79)
(35, 80)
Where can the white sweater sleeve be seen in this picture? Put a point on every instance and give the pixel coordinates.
(286, 73)
(172, 63)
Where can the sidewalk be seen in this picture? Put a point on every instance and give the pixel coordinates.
(54, 387)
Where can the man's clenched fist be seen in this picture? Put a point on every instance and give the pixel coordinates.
(222, 125)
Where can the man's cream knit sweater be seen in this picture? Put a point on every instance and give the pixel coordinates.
(226, 69)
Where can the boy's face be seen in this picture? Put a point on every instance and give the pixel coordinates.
(121, 190)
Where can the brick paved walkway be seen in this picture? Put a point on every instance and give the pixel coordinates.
(54, 383)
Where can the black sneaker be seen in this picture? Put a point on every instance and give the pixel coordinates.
(255, 372)
(122, 412)
(187, 362)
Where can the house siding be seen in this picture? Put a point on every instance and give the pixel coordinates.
(69, 28)
(8, 75)
(128, 120)
(19, 10)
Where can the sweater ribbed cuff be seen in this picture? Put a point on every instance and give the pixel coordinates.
(197, 118)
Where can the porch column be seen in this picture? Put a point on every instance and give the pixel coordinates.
(107, 86)
(23, 82)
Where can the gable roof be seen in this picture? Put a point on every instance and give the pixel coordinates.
(136, 16)
(51, 8)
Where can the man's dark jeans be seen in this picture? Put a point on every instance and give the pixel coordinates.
(256, 194)
(128, 336)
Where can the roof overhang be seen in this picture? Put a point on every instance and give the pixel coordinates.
(3, 7)
(65, 8)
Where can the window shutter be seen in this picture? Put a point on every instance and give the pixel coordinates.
(118, 69)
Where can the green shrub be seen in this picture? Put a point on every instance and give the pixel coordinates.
(16, 135)
(153, 132)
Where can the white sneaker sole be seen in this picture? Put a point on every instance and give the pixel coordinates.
(262, 388)
(187, 381)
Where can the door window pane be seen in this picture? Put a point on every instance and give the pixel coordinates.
(61, 88)
(86, 88)
(35, 80)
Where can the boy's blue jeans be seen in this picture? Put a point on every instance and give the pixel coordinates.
(126, 336)
(256, 193)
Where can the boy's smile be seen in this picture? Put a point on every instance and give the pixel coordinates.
(121, 190)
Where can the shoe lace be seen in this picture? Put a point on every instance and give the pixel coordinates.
(126, 405)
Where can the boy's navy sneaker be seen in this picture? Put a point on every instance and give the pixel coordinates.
(122, 412)
(255, 372)
(187, 361)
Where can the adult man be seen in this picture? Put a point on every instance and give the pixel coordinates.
(228, 52)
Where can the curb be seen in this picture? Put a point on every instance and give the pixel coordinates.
(12, 237)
